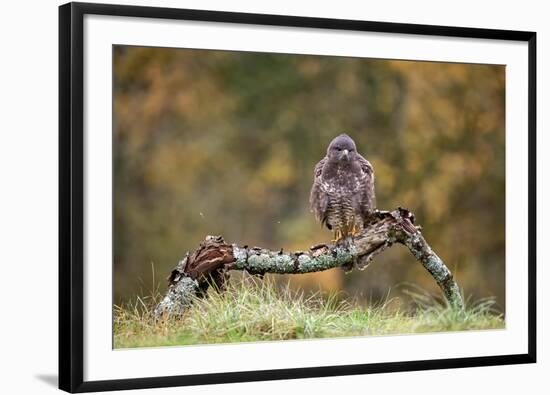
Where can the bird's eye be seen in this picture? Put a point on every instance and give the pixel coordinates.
(338, 149)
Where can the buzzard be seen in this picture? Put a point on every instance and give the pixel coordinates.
(342, 195)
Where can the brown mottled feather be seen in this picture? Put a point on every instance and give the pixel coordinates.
(342, 196)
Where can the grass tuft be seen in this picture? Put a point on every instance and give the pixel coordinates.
(254, 310)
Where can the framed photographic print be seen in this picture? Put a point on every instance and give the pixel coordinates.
(251, 197)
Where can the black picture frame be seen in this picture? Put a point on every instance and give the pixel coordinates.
(71, 197)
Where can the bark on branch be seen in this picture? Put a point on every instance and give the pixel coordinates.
(214, 258)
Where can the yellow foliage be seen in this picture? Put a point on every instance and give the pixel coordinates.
(210, 142)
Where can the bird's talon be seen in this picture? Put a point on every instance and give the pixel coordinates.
(337, 236)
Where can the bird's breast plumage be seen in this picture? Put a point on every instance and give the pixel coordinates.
(342, 187)
(342, 195)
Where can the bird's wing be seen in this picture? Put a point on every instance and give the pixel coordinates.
(318, 198)
(368, 198)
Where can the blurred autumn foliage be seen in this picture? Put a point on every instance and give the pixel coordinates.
(219, 142)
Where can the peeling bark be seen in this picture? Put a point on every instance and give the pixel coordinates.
(211, 262)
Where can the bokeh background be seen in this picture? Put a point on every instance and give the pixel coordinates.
(220, 142)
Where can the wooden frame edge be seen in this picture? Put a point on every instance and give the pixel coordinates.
(71, 282)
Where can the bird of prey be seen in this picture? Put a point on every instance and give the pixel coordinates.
(342, 196)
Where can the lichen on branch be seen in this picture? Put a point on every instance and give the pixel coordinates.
(212, 261)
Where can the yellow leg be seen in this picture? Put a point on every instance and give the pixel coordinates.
(337, 236)
(354, 230)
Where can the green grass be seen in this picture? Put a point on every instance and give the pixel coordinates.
(252, 310)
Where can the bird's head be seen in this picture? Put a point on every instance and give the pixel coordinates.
(342, 149)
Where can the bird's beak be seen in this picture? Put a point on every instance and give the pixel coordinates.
(345, 154)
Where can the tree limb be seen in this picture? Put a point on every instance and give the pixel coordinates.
(210, 263)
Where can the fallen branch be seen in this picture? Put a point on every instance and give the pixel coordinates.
(211, 262)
